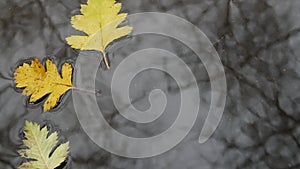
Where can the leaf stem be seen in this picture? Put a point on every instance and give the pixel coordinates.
(86, 90)
(105, 60)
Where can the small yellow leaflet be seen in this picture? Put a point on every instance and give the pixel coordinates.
(39, 147)
(39, 81)
(99, 20)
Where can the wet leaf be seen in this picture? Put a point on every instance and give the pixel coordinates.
(39, 81)
(99, 20)
(39, 147)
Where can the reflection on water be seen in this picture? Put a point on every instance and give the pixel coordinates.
(258, 42)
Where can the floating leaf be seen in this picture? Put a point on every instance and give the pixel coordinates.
(41, 152)
(39, 81)
(99, 20)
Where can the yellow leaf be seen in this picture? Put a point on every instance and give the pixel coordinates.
(99, 20)
(38, 81)
(39, 147)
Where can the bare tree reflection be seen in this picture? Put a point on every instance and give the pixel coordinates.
(256, 40)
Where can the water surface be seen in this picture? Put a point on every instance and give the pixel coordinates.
(258, 43)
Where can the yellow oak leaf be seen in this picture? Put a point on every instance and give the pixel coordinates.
(99, 20)
(39, 81)
(42, 151)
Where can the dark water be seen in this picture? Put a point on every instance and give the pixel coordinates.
(258, 43)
